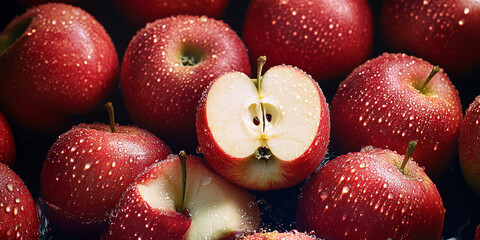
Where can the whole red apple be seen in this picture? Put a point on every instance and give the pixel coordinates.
(266, 133)
(167, 66)
(275, 235)
(324, 38)
(444, 32)
(56, 61)
(385, 103)
(469, 145)
(87, 170)
(7, 142)
(202, 206)
(143, 11)
(18, 214)
(367, 195)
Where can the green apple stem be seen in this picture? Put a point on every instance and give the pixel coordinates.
(183, 162)
(111, 115)
(260, 63)
(434, 71)
(411, 148)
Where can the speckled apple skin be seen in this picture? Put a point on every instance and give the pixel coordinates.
(291, 172)
(18, 214)
(160, 93)
(363, 195)
(378, 105)
(143, 11)
(444, 32)
(64, 64)
(469, 145)
(7, 142)
(324, 38)
(88, 168)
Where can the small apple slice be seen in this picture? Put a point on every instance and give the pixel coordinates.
(266, 134)
(212, 207)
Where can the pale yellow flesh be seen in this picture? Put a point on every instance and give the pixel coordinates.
(217, 207)
(287, 94)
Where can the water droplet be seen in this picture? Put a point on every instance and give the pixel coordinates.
(206, 181)
(10, 187)
(346, 189)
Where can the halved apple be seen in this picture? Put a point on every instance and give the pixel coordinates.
(266, 133)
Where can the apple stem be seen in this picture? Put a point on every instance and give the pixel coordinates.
(411, 148)
(434, 71)
(111, 115)
(260, 62)
(183, 163)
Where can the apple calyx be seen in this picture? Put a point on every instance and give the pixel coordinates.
(183, 163)
(434, 71)
(410, 149)
(111, 116)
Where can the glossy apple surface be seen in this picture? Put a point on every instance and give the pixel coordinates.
(469, 145)
(448, 27)
(7, 142)
(326, 39)
(213, 207)
(57, 61)
(87, 170)
(379, 104)
(18, 214)
(167, 66)
(264, 135)
(364, 195)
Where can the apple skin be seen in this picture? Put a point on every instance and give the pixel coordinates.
(356, 191)
(143, 11)
(241, 171)
(477, 233)
(7, 142)
(87, 170)
(469, 146)
(448, 27)
(18, 218)
(324, 38)
(378, 104)
(275, 235)
(160, 93)
(135, 217)
(62, 64)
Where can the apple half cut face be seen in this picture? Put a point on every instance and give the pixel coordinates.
(266, 134)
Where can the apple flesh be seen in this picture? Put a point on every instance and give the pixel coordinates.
(448, 27)
(469, 145)
(264, 134)
(380, 104)
(7, 142)
(275, 235)
(213, 207)
(143, 11)
(356, 191)
(87, 170)
(167, 66)
(324, 38)
(57, 61)
(18, 218)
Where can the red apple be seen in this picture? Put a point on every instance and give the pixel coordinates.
(469, 145)
(18, 214)
(143, 11)
(324, 38)
(167, 66)
(477, 233)
(264, 134)
(381, 104)
(89, 167)
(367, 195)
(275, 235)
(204, 206)
(7, 142)
(56, 61)
(444, 32)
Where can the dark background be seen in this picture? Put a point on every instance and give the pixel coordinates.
(278, 207)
